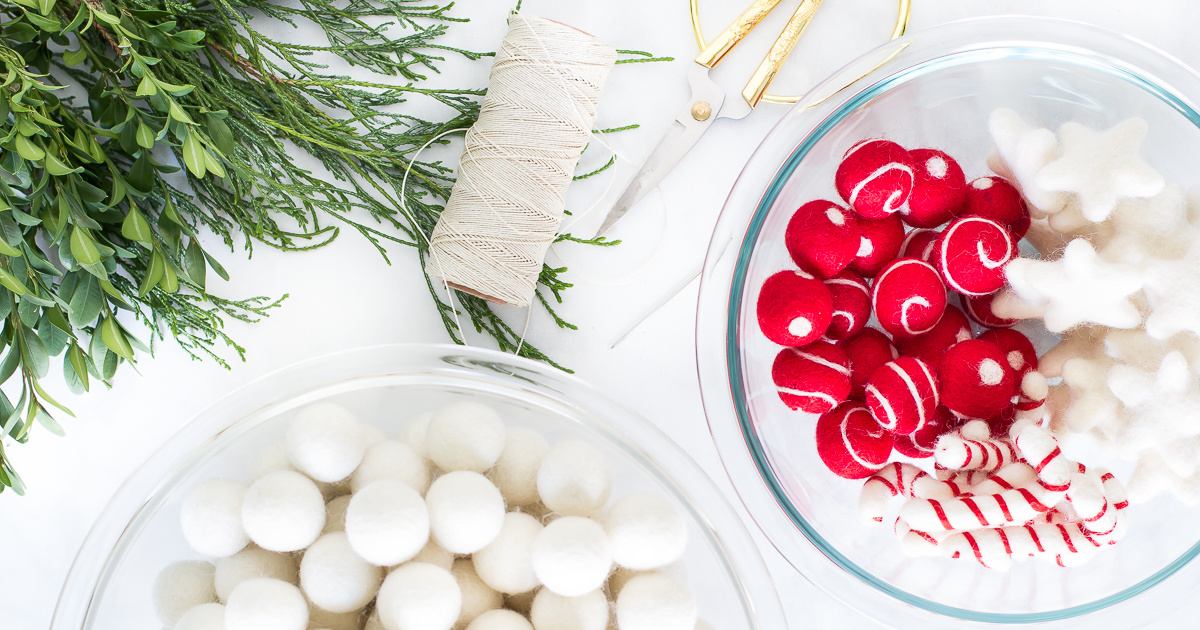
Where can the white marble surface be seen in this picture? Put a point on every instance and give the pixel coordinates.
(343, 296)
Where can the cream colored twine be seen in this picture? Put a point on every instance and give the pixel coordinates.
(519, 158)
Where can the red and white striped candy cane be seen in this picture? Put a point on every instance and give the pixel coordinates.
(898, 479)
(959, 453)
(995, 548)
(915, 543)
(1011, 477)
(1038, 447)
(1019, 505)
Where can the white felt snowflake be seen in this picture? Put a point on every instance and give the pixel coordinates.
(1161, 405)
(1171, 289)
(1078, 288)
(1156, 227)
(1092, 402)
(1101, 167)
(1022, 151)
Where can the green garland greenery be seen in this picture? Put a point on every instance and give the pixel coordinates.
(128, 127)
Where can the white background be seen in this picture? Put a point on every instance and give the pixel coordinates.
(344, 296)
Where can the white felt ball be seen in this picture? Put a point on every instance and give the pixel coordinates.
(271, 459)
(335, 578)
(574, 478)
(645, 531)
(182, 586)
(571, 556)
(249, 563)
(387, 522)
(209, 616)
(325, 620)
(477, 597)
(500, 619)
(325, 441)
(283, 511)
(266, 604)
(507, 563)
(335, 514)
(432, 553)
(515, 473)
(391, 460)
(654, 601)
(466, 511)
(419, 596)
(211, 518)
(464, 435)
(413, 432)
(551, 611)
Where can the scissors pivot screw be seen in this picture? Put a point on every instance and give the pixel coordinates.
(701, 110)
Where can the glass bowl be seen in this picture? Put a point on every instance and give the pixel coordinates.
(932, 89)
(138, 533)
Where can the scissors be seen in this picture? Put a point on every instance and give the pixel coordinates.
(709, 102)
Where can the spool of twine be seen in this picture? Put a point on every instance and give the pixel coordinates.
(519, 158)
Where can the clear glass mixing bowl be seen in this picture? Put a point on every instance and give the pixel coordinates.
(110, 583)
(932, 89)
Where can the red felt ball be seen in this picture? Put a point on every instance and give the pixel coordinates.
(851, 305)
(815, 378)
(979, 310)
(1001, 422)
(875, 177)
(794, 308)
(822, 237)
(974, 379)
(920, 443)
(952, 328)
(920, 244)
(851, 443)
(902, 395)
(1016, 348)
(867, 351)
(972, 253)
(879, 242)
(908, 297)
(996, 199)
(939, 189)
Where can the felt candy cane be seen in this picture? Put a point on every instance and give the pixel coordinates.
(961, 480)
(1018, 505)
(898, 479)
(959, 453)
(1011, 477)
(1038, 447)
(995, 548)
(915, 543)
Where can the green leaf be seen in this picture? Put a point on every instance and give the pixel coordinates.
(190, 37)
(154, 273)
(8, 250)
(8, 366)
(193, 263)
(141, 174)
(221, 135)
(36, 360)
(59, 169)
(213, 164)
(46, 6)
(114, 338)
(176, 112)
(135, 227)
(75, 369)
(29, 150)
(216, 266)
(83, 248)
(145, 137)
(109, 366)
(11, 282)
(52, 336)
(87, 302)
(105, 17)
(50, 399)
(193, 155)
(17, 484)
(146, 87)
(170, 280)
(49, 423)
(73, 57)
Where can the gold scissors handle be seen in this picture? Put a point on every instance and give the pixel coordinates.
(770, 65)
(734, 33)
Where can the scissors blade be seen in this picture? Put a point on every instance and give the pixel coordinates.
(679, 138)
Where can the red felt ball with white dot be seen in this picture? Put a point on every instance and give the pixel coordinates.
(794, 308)
(879, 242)
(920, 443)
(997, 199)
(972, 253)
(851, 305)
(908, 297)
(902, 395)
(1017, 348)
(851, 443)
(920, 244)
(979, 310)
(875, 177)
(822, 238)
(974, 379)
(952, 328)
(814, 379)
(939, 189)
(867, 351)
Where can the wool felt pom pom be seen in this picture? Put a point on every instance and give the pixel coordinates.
(794, 308)
(515, 473)
(655, 601)
(572, 556)
(952, 328)
(419, 596)
(335, 578)
(902, 395)
(813, 379)
(413, 432)
(283, 511)
(979, 310)
(879, 242)
(551, 611)
(464, 435)
(506, 564)
(210, 616)
(875, 177)
(996, 199)
(325, 442)
(477, 597)
(975, 380)
(822, 237)
(211, 518)
(266, 604)
(908, 297)
(389, 459)
(575, 478)
(182, 586)
(865, 352)
(387, 522)
(972, 254)
(466, 511)
(500, 619)
(921, 443)
(939, 189)
(851, 298)
(851, 443)
(645, 531)
(1017, 348)
(249, 563)
(920, 244)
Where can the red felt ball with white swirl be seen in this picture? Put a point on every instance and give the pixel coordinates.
(867, 351)
(1017, 349)
(902, 395)
(972, 253)
(939, 189)
(921, 244)
(908, 297)
(875, 177)
(952, 328)
(879, 242)
(851, 443)
(794, 308)
(997, 199)
(979, 310)
(851, 305)
(975, 380)
(814, 379)
(822, 237)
